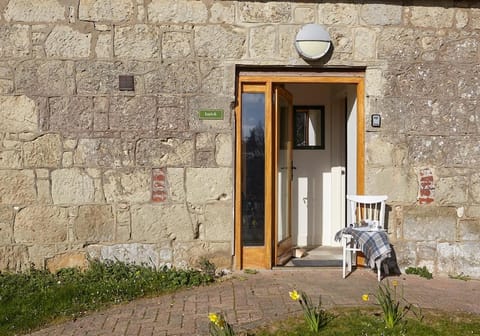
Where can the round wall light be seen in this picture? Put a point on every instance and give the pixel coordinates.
(312, 41)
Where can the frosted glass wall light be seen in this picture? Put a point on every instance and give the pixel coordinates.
(312, 41)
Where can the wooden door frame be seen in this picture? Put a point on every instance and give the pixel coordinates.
(267, 80)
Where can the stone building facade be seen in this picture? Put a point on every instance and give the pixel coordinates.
(89, 170)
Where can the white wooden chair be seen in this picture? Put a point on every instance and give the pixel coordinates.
(363, 209)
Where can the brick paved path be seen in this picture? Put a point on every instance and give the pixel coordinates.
(252, 300)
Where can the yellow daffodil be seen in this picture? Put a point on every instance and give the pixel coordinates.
(294, 295)
(394, 283)
(365, 297)
(213, 318)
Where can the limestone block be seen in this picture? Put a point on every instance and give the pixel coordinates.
(451, 190)
(127, 186)
(208, 184)
(14, 41)
(400, 184)
(205, 141)
(179, 77)
(133, 113)
(379, 151)
(41, 224)
(67, 260)
(134, 253)
(395, 43)
(35, 11)
(172, 118)
(102, 153)
(261, 43)
(97, 77)
(469, 230)
(365, 40)
(137, 42)
(426, 252)
(221, 12)
(381, 14)
(286, 48)
(342, 39)
(468, 76)
(14, 258)
(10, 159)
(72, 186)
(209, 102)
(110, 11)
(43, 191)
(475, 188)
(338, 13)
(104, 47)
(268, 12)
(176, 184)
(302, 15)
(67, 159)
(218, 221)
(6, 86)
(94, 223)
(205, 159)
(432, 17)
(374, 82)
(6, 224)
(466, 259)
(18, 114)
(164, 153)
(66, 42)
(224, 150)
(70, 114)
(428, 223)
(45, 151)
(154, 223)
(17, 187)
(459, 50)
(446, 263)
(178, 11)
(188, 254)
(220, 42)
(45, 78)
(176, 44)
(461, 18)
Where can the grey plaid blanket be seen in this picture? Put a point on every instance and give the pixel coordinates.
(374, 244)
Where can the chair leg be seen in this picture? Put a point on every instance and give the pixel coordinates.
(344, 261)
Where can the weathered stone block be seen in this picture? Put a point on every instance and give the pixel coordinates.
(45, 151)
(178, 11)
(17, 187)
(14, 258)
(268, 12)
(338, 13)
(446, 263)
(178, 77)
(134, 253)
(35, 11)
(66, 42)
(366, 38)
(205, 141)
(10, 159)
(104, 46)
(187, 254)
(221, 12)
(41, 224)
(218, 221)
(176, 184)
(72, 186)
(18, 114)
(71, 114)
(219, 42)
(224, 150)
(133, 113)
(67, 260)
(208, 184)
(97, 77)
(430, 223)
(164, 153)
(6, 224)
(172, 119)
(466, 259)
(451, 190)
(286, 49)
(379, 151)
(127, 186)
(400, 184)
(94, 223)
(432, 17)
(14, 41)
(159, 222)
(45, 78)
(6, 86)
(176, 44)
(381, 14)
(204, 102)
(137, 42)
(102, 153)
(109, 11)
(261, 43)
(469, 229)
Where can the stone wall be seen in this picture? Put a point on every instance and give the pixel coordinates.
(89, 170)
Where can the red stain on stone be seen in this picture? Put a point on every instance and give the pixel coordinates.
(159, 189)
(427, 186)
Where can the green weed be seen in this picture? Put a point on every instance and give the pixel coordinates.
(420, 271)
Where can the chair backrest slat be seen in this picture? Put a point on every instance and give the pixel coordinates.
(367, 207)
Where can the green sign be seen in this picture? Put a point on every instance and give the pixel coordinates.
(210, 114)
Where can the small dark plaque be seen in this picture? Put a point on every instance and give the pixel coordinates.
(126, 83)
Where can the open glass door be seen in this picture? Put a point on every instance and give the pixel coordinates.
(283, 115)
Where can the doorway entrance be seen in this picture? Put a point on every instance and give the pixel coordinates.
(299, 150)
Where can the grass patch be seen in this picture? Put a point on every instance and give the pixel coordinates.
(368, 322)
(31, 300)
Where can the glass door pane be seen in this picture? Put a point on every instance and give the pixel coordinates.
(253, 169)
